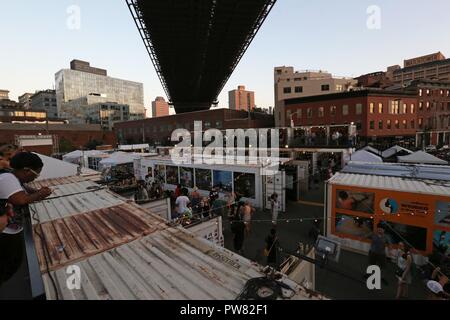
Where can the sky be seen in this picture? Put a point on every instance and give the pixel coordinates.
(36, 41)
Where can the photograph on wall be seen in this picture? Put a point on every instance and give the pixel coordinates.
(223, 180)
(187, 177)
(442, 214)
(396, 232)
(441, 242)
(172, 175)
(355, 201)
(354, 226)
(160, 173)
(203, 179)
(244, 185)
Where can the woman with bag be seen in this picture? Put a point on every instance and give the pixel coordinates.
(403, 270)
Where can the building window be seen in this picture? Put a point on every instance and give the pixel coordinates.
(420, 122)
(345, 109)
(405, 109)
(413, 108)
(420, 105)
(389, 126)
(428, 105)
(420, 92)
(380, 124)
(372, 125)
(380, 108)
(333, 111)
(428, 92)
(405, 124)
(359, 108)
(321, 112)
(218, 124)
(413, 124)
(287, 90)
(339, 87)
(371, 108)
(299, 113)
(309, 113)
(395, 107)
(397, 124)
(325, 87)
(298, 89)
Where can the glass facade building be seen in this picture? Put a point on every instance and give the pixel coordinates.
(73, 84)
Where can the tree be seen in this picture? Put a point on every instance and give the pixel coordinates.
(65, 146)
(93, 144)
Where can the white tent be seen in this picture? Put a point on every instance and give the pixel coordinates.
(118, 158)
(421, 157)
(75, 156)
(371, 149)
(54, 168)
(365, 156)
(393, 151)
(134, 147)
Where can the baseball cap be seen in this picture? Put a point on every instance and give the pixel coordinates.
(434, 287)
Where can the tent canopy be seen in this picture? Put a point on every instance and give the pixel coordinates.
(78, 154)
(118, 158)
(365, 156)
(371, 149)
(394, 150)
(422, 158)
(54, 168)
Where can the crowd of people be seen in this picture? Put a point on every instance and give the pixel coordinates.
(434, 278)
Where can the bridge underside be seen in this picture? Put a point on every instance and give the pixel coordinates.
(195, 45)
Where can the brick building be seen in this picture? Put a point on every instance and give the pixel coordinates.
(69, 137)
(157, 131)
(381, 116)
(241, 99)
(160, 107)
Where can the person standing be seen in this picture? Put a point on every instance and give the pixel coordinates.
(247, 217)
(403, 270)
(238, 229)
(182, 203)
(272, 248)
(377, 252)
(274, 204)
(196, 199)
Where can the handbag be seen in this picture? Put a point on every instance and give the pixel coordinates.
(266, 251)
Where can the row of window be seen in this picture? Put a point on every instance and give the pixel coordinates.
(321, 111)
(395, 124)
(429, 92)
(169, 128)
(299, 89)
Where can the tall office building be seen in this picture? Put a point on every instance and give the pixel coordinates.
(25, 100)
(82, 80)
(241, 99)
(45, 100)
(160, 107)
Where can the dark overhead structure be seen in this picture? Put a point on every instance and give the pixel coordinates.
(195, 45)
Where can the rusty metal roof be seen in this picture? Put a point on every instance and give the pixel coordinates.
(167, 265)
(69, 239)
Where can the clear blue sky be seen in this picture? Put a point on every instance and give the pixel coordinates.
(320, 34)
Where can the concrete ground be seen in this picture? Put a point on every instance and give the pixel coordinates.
(346, 282)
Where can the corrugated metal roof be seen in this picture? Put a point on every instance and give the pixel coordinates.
(413, 171)
(74, 198)
(392, 183)
(57, 181)
(63, 241)
(166, 265)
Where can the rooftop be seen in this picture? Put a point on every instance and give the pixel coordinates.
(125, 252)
(423, 179)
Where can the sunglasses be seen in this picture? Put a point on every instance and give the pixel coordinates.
(34, 172)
